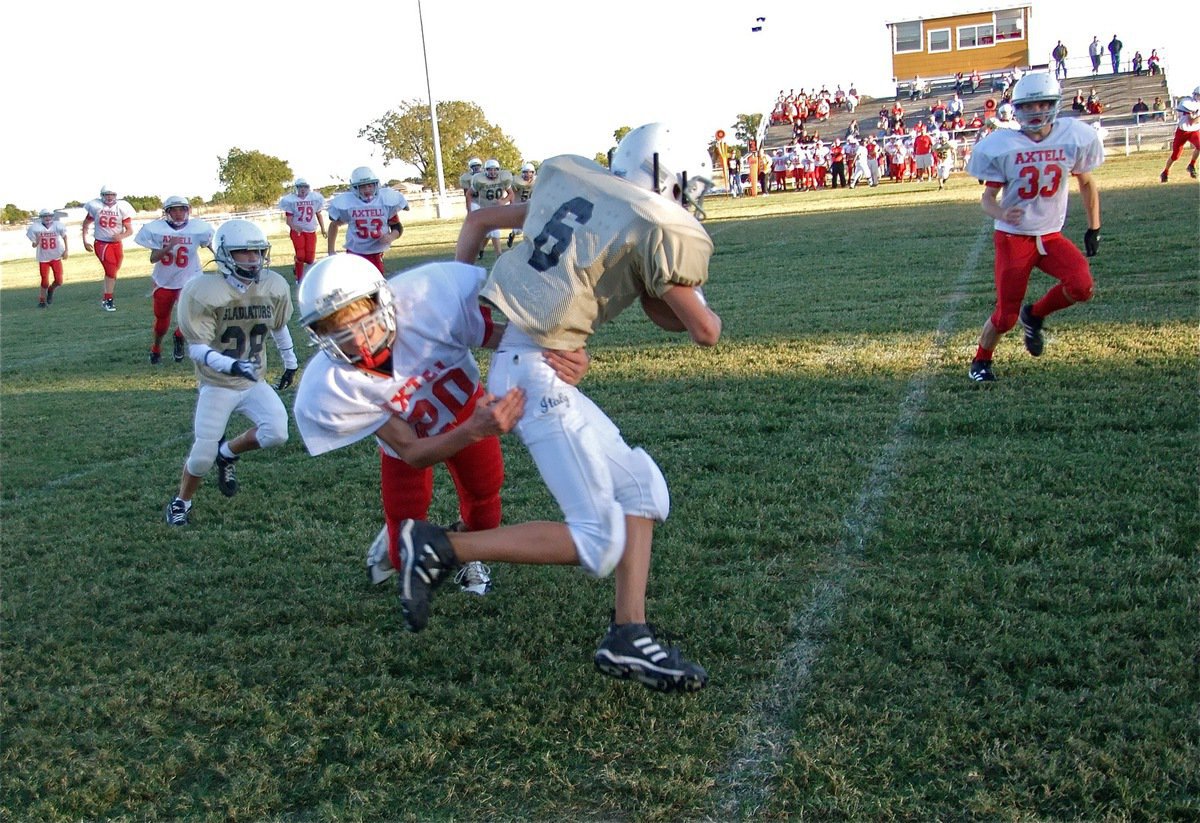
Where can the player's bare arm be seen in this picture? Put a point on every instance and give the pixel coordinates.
(492, 417)
(479, 223)
(1089, 192)
(990, 200)
(87, 221)
(332, 237)
(702, 323)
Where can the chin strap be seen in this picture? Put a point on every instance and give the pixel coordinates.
(374, 361)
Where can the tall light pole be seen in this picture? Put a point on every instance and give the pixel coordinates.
(442, 205)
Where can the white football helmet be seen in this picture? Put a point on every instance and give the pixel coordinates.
(176, 202)
(333, 284)
(527, 172)
(47, 216)
(492, 169)
(1005, 112)
(241, 235)
(364, 183)
(1036, 87)
(475, 165)
(650, 158)
(108, 195)
(301, 183)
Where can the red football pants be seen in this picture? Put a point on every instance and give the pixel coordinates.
(1016, 256)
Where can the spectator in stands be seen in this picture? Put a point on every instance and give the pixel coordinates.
(822, 109)
(1059, 53)
(955, 107)
(959, 82)
(851, 99)
(1152, 62)
(852, 129)
(975, 80)
(1137, 63)
(1094, 106)
(915, 92)
(1140, 110)
(1114, 51)
(1159, 109)
(1077, 103)
(1095, 51)
(938, 111)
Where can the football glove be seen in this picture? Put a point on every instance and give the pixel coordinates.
(243, 369)
(285, 379)
(1091, 242)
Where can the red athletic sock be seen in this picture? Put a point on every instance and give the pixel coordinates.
(1052, 301)
(983, 354)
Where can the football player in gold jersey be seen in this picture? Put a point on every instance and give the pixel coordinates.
(596, 241)
(225, 318)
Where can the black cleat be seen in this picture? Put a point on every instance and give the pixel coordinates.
(981, 371)
(226, 472)
(634, 650)
(1191, 171)
(50, 289)
(1034, 342)
(178, 351)
(155, 358)
(426, 560)
(178, 513)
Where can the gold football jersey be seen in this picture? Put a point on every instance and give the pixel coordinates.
(234, 323)
(522, 191)
(490, 192)
(593, 244)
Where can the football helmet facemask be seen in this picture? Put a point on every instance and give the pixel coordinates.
(337, 282)
(475, 165)
(364, 183)
(301, 187)
(241, 235)
(527, 172)
(107, 196)
(1036, 87)
(492, 169)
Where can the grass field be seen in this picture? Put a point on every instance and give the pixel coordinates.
(917, 598)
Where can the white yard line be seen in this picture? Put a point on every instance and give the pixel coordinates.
(744, 785)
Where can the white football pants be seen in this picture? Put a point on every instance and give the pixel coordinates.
(595, 477)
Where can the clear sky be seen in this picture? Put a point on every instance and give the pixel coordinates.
(146, 96)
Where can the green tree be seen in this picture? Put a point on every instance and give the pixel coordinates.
(746, 127)
(618, 136)
(12, 214)
(144, 202)
(406, 134)
(252, 178)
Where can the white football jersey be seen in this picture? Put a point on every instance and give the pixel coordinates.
(232, 322)
(303, 209)
(366, 223)
(434, 375)
(593, 244)
(50, 241)
(1188, 110)
(182, 262)
(1036, 176)
(109, 220)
